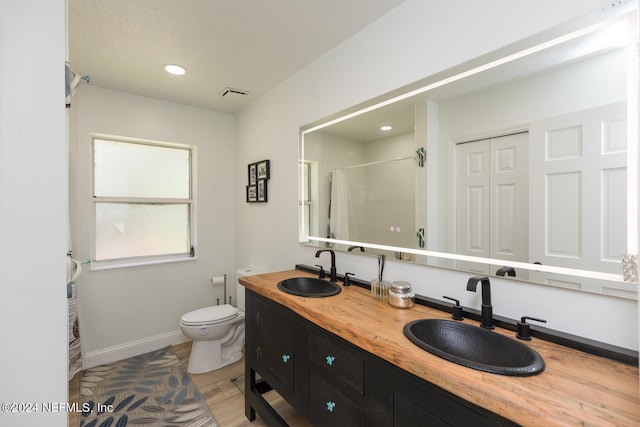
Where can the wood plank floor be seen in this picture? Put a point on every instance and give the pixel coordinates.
(225, 400)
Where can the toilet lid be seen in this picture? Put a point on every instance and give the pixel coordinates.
(214, 314)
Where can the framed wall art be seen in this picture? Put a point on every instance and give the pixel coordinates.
(263, 169)
(253, 173)
(252, 193)
(262, 190)
(258, 175)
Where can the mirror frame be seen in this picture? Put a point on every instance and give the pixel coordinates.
(551, 37)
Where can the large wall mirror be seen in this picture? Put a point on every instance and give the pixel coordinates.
(522, 163)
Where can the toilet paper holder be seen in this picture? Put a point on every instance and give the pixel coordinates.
(221, 280)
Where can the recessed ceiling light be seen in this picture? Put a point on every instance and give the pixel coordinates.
(386, 127)
(175, 69)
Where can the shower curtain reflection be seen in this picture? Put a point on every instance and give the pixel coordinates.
(339, 208)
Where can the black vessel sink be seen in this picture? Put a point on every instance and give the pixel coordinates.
(309, 287)
(474, 347)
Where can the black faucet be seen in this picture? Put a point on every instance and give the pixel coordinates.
(506, 271)
(487, 309)
(333, 275)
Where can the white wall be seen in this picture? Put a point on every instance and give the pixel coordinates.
(130, 310)
(555, 92)
(33, 209)
(411, 42)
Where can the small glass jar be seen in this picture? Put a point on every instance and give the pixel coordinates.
(401, 295)
(380, 288)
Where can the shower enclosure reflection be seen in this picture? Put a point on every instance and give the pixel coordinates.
(365, 188)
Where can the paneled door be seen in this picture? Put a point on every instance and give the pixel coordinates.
(492, 200)
(578, 204)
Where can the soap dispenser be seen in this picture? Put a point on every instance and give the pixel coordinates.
(523, 329)
(457, 309)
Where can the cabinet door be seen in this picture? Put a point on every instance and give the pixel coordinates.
(407, 413)
(395, 397)
(274, 343)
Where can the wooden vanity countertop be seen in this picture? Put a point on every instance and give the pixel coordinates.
(575, 389)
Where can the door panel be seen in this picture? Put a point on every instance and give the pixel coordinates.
(492, 200)
(578, 209)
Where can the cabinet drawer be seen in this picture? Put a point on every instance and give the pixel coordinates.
(329, 407)
(333, 359)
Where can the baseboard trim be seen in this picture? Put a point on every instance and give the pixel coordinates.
(133, 348)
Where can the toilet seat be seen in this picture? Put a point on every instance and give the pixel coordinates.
(209, 315)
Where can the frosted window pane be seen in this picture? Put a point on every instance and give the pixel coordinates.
(123, 169)
(130, 230)
(306, 170)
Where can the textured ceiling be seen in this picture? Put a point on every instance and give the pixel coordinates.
(244, 44)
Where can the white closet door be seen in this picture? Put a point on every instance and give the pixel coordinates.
(578, 203)
(510, 197)
(492, 200)
(472, 207)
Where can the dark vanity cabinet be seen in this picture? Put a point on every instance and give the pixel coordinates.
(333, 383)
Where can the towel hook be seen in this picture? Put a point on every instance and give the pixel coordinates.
(422, 156)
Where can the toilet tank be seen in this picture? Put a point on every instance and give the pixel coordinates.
(241, 272)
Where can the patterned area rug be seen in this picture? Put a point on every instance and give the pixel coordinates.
(152, 389)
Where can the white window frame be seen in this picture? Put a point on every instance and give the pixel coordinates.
(97, 265)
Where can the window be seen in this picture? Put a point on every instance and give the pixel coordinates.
(304, 199)
(142, 200)
(308, 218)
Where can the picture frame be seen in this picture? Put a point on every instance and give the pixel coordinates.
(252, 193)
(262, 195)
(252, 173)
(258, 174)
(263, 169)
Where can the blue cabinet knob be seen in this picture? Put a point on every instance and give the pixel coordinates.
(331, 406)
(285, 358)
(330, 360)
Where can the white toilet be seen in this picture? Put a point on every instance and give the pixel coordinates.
(240, 291)
(218, 337)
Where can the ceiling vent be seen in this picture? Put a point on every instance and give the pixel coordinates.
(230, 92)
